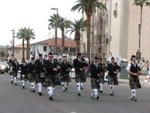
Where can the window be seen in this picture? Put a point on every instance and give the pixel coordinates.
(45, 48)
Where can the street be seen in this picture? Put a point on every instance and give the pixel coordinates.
(13, 99)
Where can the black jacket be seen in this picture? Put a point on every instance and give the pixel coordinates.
(112, 68)
(64, 68)
(95, 70)
(79, 64)
(40, 66)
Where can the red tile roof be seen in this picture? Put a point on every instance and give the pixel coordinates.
(51, 42)
(20, 46)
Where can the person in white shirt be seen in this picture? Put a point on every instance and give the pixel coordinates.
(134, 72)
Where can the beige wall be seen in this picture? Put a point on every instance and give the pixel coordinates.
(134, 20)
(123, 29)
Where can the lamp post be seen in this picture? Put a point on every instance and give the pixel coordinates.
(140, 3)
(13, 41)
(55, 31)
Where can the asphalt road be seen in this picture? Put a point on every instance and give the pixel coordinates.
(15, 100)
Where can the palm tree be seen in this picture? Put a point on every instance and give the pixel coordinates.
(29, 35)
(63, 24)
(89, 7)
(25, 34)
(21, 35)
(76, 27)
(53, 23)
(140, 3)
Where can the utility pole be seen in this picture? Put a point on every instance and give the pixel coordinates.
(13, 41)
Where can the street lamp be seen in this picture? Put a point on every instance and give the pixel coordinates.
(140, 3)
(55, 31)
(13, 40)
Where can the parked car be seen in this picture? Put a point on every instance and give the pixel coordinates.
(3, 67)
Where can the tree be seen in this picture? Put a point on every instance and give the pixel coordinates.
(89, 7)
(53, 23)
(63, 24)
(76, 27)
(56, 21)
(25, 34)
(29, 35)
(2, 54)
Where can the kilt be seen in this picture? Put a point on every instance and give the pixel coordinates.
(80, 77)
(95, 83)
(113, 80)
(23, 77)
(134, 82)
(13, 73)
(101, 79)
(32, 77)
(40, 78)
(52, 80)
(65, 78)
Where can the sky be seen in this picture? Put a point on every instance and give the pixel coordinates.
(15, 14)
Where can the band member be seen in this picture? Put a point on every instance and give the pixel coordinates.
(31, 71)
(134, 71)
(95, 77)
(113, 70)
(51, 75)
(79, 66)
(24, 74)
(40, 73)
(65, 68)
(102, 66)
(14, 66)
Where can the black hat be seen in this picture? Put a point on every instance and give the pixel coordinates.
(79, 54)
(32, 58)
(40, 55)
(50, 53)
(96, 58)
(133, 56)
(112, 58)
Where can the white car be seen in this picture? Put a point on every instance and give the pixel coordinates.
(3, 67)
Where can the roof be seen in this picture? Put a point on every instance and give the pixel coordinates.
(20, 46)
(51, 42)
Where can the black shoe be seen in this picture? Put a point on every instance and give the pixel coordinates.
(15, 84)
(134, 99)
(97, 98)
(23, 87)
(33, 91)
(101, 91)
(40, 93)
(92, 97)
(81, 88)
(12, 82)
(111, 94)
(79, 94)
(51, 98)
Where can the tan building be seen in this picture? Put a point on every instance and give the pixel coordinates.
(115, 32)
(18, 51)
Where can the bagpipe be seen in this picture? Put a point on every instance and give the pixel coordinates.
(143, 60)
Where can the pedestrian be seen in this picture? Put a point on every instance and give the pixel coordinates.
(52, 70)
(102, 66)
(113, 70)
(79, 66)
(95, 78)
(24, 73)
(14, 67)
(134, 72)
(65, 68)
(40, 73)
(32, 77)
